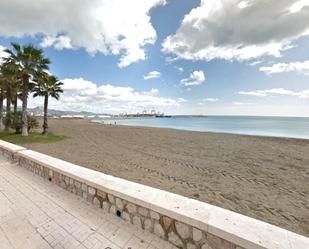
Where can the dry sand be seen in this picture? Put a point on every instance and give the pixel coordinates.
(265, 178)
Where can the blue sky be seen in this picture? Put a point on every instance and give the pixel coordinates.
(199, 58)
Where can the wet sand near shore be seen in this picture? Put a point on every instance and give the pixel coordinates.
(262, 177)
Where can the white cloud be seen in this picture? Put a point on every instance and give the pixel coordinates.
(60, 42)
(243, 4)
(180, 69)
(276, 91)
(152, 75)
(298, 5)
(203, 101)
(80, 94)
(254, 63)
(258, 93)
(241, 103)
(196, 78)
(153, 92)
(211, 99)
(117, 27)
(303, 94)
(297, 67)
(238, 30)
(182, 100)
(2, 54)
(279, 91)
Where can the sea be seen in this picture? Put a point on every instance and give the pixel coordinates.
(290, 127)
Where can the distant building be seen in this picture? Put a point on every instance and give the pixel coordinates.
(104, 116)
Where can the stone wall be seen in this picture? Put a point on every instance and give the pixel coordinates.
(9, 150)
(178, 233)
(184, 222)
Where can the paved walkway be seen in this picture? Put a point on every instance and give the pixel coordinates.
(35, 213)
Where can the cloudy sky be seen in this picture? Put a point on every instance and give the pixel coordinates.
(235, 57)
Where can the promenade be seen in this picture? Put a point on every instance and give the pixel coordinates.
(37, 214)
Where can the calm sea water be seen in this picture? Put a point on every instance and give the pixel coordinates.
(296, 127)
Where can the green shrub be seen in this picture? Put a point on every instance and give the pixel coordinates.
(15, 121)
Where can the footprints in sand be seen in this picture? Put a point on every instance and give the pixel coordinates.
(168, 169)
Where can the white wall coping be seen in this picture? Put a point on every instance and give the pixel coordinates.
(236, 228)
(10, 147)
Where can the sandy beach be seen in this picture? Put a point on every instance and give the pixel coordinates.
(264, 178)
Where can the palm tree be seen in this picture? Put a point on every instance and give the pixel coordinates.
(1, 99)
(48, 85)
(1, 108)
(10, 81)
(30, 60)
(16, 93)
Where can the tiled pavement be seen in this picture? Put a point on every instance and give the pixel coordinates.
(35, 213)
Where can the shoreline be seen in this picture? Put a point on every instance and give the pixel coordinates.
(261, 177)
(212, 132)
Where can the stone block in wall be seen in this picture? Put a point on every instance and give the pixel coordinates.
(84, 187)
(101, 194)
(126, 216)
(206, 246)
(77, 184)
(63, 185)
(8, 154)
(158, 230)
(45, 172)
(119, 204)
(79, 192)
(166, 222)
(215, 242)
(67, 180)
(197, 234)
(89, 197)
(56, 177)
(70, 188)
(148, 225)
(111, 198)
(131, 208)
(41, 170)
(137, 221)
(113, 209)
(96, 201)
(50, 173)
(154, 215)
(91, 190)
(73, 190)
(174, 239)
(60, 180)
(183, 230)
(106, 206)
(143, 211)
(192, 246)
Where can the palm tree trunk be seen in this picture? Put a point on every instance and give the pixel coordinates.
(45, 124)
(24, 131)
(15, 105)
(8, 110)
(15, 117)
(1, 110)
